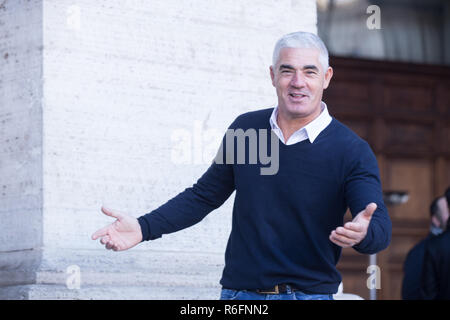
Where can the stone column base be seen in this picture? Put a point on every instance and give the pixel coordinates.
(100, 274)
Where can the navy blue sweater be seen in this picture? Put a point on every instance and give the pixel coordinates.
(282, 222)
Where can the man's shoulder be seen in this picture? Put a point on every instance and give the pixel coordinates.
(345, 139)
(418, 249)
(440, 242)
(344, 132)
(253, 119)
(256, 114)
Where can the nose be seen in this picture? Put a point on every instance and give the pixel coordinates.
(298, 80)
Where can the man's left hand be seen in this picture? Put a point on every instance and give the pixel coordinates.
(355, 231)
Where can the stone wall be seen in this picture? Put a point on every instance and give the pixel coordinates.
(120, 103)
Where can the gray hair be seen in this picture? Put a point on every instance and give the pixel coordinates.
(302, 40)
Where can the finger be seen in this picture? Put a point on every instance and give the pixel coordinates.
(114, 246)
(109, 245)
(349, 233)
(105, 239)
(337, 242)
(354, 226)
(370, 209)
(100, 233)
(342, 239)
(112, 213)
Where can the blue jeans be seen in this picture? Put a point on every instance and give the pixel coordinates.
(230, 294)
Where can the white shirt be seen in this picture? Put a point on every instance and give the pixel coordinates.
(310, 131)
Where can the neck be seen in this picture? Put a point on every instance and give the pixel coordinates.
(289, 124)
(435, 230)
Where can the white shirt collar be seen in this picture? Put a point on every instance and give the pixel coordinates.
(310, 131)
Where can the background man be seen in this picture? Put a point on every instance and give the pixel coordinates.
(435, 281)
(412, 267)
(287, 229)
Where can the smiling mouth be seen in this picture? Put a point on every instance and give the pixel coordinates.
(297, 95)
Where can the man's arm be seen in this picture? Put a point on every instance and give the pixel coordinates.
(189, 207)
(370, 230)
(184, 210)
(192, 205)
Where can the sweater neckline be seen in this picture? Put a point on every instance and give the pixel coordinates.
(323, 133)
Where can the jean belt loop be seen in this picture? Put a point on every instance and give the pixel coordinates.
(288, 289)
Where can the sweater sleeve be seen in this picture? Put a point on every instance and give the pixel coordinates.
(190, 206)
(363, 186)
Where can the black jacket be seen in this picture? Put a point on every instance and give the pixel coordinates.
(412, 270)
(435, 280)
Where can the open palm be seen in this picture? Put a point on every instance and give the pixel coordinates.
(355, 231)
(122, 234)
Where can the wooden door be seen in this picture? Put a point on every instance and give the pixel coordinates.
(403, 111)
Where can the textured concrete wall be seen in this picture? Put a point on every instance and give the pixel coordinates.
(134, 93)
(20, 125)
(20, 140)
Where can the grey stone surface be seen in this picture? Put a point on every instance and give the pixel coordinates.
(118, 275)
(118, 103)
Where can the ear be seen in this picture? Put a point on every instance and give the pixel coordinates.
(328, 76)
(272, 75)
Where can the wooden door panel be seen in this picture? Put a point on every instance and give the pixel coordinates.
(395, 283)
(446, 138)
(408, 138)
(403, 111)
(354, 283)
(414, 177)
(405, 97)
(351, 95)
(443, 97)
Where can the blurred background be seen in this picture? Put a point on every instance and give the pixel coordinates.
(392, 86)
(119, 103)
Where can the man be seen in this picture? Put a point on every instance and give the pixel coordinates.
(287, 232)
(435, 281)
(412, 268)
(447, 197)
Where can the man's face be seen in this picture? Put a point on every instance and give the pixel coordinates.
(444, 210)
(299, 79)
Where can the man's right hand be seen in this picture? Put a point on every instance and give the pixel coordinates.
(122, 234)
